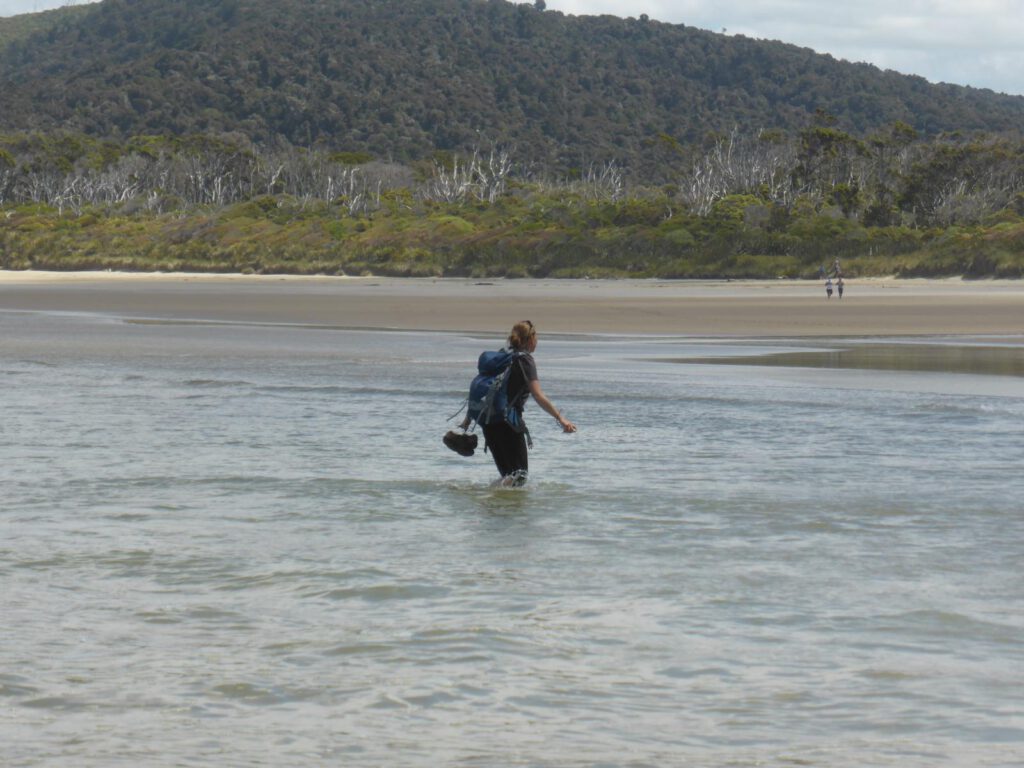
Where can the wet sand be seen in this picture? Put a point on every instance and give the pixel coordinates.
(760, 309)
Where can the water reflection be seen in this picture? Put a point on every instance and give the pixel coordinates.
(944, 358)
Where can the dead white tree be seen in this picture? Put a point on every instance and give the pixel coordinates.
(118, 183)
(7, 177)
(961, 202)
(602, 182)
(69, 196)
(449, 185)
(483, 179)
(493, 174)
(735, 165)
(41, 186)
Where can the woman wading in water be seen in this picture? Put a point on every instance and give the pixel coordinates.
(507, 444)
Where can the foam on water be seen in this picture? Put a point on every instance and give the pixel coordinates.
(247, 546)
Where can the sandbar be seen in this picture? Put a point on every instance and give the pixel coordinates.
(882, 307)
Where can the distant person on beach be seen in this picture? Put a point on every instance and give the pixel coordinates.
(508, 446)
(828, 288)
(839, 287)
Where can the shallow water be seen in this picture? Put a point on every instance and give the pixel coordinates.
(245, 545)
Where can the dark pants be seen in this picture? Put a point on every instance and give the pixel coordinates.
(508, 448)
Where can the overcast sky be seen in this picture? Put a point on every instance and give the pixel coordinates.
(968, 42)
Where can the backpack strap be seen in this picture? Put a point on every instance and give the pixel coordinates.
(523, 397)
(464, 406)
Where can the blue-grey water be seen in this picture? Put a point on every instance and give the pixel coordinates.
(231, 545)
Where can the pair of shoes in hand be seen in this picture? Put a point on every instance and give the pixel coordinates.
(460, 442)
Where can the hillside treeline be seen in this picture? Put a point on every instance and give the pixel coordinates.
(749, 205)
(400, 79)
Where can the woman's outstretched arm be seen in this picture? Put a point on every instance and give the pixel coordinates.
(547, 405)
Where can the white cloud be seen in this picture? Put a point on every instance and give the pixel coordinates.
(969, 43)
(15, 7)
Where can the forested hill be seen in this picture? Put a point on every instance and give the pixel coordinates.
(402, 78)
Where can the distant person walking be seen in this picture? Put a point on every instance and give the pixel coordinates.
(839, 287)
(828, 288)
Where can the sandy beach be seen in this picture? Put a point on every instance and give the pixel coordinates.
(871, 307)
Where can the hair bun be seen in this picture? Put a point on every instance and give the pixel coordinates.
(521, 334)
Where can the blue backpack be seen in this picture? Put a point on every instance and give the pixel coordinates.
(488, 401)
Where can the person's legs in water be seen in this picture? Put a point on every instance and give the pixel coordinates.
(508, 448)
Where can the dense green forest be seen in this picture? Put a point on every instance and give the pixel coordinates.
(483, 138)
(402, 78)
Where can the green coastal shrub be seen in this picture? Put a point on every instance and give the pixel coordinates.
(535, 230)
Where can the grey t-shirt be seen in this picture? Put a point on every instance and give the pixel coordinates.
(524, 370)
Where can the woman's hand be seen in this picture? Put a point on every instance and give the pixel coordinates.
(567, 426)
(543, 401)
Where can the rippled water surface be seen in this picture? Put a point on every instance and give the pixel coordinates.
(246, 546)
